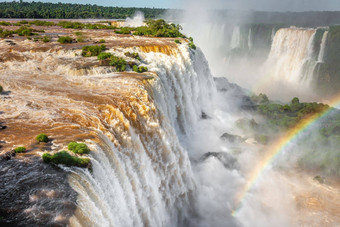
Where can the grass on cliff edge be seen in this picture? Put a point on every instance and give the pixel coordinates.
(63, 157)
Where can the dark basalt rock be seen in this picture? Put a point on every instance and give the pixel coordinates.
(204, 116)
(34, 194)
(8, 155)
(232, 138)
(226, 159)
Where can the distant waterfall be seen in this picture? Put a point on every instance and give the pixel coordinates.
(292, 56)
(323, 47)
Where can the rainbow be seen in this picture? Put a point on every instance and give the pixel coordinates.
(277, 148)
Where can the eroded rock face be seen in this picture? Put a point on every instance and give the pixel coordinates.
(34, 194)
(232, 138)
(226, 159)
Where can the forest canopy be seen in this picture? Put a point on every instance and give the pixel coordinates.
(70, 11)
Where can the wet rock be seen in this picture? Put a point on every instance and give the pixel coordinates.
(232, 138)
(226, 159)
(8, 155)
(204, 116)
(105, 62)
(32, 193)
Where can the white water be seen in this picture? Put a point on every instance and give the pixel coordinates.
(151, 182)
(323, 47)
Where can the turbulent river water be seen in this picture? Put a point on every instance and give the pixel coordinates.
(158, 158)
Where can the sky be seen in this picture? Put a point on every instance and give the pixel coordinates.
(264, 5)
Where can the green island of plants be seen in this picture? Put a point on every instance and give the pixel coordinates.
(42, 138)
(63, 157)
(118, 62)
(78, 148)
(133, 55)
(159, 28)
(1, 89)
(65, 39)
(139, 69)
(89, 51)
(20, 149)
(288, 115)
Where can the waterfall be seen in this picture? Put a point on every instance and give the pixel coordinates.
(250, 42)
(136, 126)
(292, 56)
(323, 47)
(148, 180)
(236, 38)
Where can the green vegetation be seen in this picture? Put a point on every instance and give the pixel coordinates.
(24, 31)
(6, 33)
(260, 99)
(288, 115)
(78, 148)
(191, 39)
(1, 89)
(15, 9)
(159, 28)
(79, 25)
(46, 39)
(192, 45)
(65, 39)
(177, 41)
(104, 55)
(89, 51)
(5, 23)
(132, 55)
(124, 30)
(139, 69)
(20, 149)
(42, 138)
(118, 62)
(102, 41)
(63, 157)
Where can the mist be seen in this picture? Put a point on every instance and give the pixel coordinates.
(279, 196)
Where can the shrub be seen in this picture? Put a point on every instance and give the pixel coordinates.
(118, 62)
(42, 138)
(139, 69)
(20, 149)
(79, 148)
(24, 31)
(63, 157)
(124, 30)
(88, 51)
(6, 33)
(177, 41)
(191, 39)
(102, 40)
(1, 89)
(78, 33)
(80, 40)
(65, 39)
(5, 23)
(132, 55)
(104, 55)
(192, 45)
(159, 28)
(46, 39)
(41, 23)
